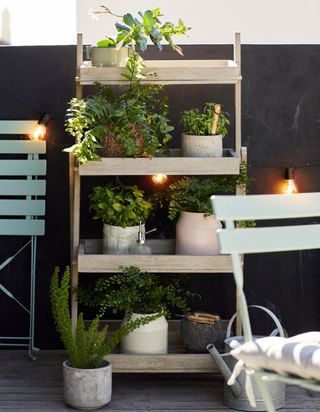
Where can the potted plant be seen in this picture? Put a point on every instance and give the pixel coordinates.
(140, 294)
(203, 132)
(132, 124)
(134, 32)
(87, 376)
(189, 202)
(121, 208)
(105, 54)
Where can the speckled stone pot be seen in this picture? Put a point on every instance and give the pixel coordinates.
(196, 336)
(201, 146)
(87, 389)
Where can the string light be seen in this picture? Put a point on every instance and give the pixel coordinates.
(289, 186)
(159, 179)
(39, 131)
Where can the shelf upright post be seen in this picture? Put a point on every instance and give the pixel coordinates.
(237, 93)
(75, 198)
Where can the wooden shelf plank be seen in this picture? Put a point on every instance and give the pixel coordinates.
(171, 165)
(166, 72)
(170, 363)
(91, 260)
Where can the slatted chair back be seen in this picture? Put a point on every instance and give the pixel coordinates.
(237, 241)
(22, 206)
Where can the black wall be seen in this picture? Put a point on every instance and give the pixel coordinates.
(281, 128)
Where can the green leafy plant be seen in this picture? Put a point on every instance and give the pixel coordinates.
(107, 42)
(86, 348)
(136, 30)
(132, 124)
(140, 292)
(200, 124)
(191, 194)
(120, 205)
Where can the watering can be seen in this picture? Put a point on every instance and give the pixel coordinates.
(235, 396)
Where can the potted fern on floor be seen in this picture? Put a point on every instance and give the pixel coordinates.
(87, 375)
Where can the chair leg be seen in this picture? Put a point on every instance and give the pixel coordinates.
(32, 348)
(263, 388)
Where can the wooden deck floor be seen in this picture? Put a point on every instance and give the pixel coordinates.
(37, 386)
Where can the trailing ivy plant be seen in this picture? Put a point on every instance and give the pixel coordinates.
(120, 205)
(191, 194)
(86, 348)
(199, 123)
(133, 291)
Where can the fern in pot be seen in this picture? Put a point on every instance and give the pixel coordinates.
(203, 132)
(87, 375)
(140, 295)
(189, 205)
(121, 208)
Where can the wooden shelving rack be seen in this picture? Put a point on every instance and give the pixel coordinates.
(86, 254)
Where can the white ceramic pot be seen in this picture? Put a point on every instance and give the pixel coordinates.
(196, 234)
(201, 146)
(87, 389)
(151, 338)
(107, 56)
(118, 240)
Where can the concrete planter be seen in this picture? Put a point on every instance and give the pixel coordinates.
(148, 339)
(201, 146)
(87, 389)
(118, 240)
(107, 56)
(196, 234)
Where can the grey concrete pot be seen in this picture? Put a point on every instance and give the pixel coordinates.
(201, 146)
(118, 240)
(107, 56)
(87, 389)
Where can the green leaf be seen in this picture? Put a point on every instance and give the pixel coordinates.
(106, 43)
(117, 207)
(129, 20)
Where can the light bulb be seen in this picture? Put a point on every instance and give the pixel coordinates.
(159, 179)
(38, 132)
(289, 185)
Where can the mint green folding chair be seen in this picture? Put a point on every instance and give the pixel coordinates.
(21, 210)
(295, 360)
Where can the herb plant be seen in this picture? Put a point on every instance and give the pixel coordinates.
(120, 205)
(140, 292)
(86, 348)
(199, 124)
(191, 194)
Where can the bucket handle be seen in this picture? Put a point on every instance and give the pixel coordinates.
(271, 314)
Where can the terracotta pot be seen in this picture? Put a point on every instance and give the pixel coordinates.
(196, 234)
(151, 338)
(201, 146)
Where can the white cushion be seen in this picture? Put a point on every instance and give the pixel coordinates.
(298, 355)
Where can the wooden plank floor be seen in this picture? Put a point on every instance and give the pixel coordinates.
(37, 386)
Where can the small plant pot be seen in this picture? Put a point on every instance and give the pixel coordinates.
(118, 240)
(151, 338)
(201, 146)
(107, 56)
(87, 389)
(196, 336)
(196, 234)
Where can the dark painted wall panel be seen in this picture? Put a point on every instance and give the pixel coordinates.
(281, 125)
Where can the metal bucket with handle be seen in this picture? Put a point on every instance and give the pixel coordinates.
(235, 396)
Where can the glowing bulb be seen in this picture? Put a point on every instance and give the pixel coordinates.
(38, 132)
(159, 179)
(289, 185)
